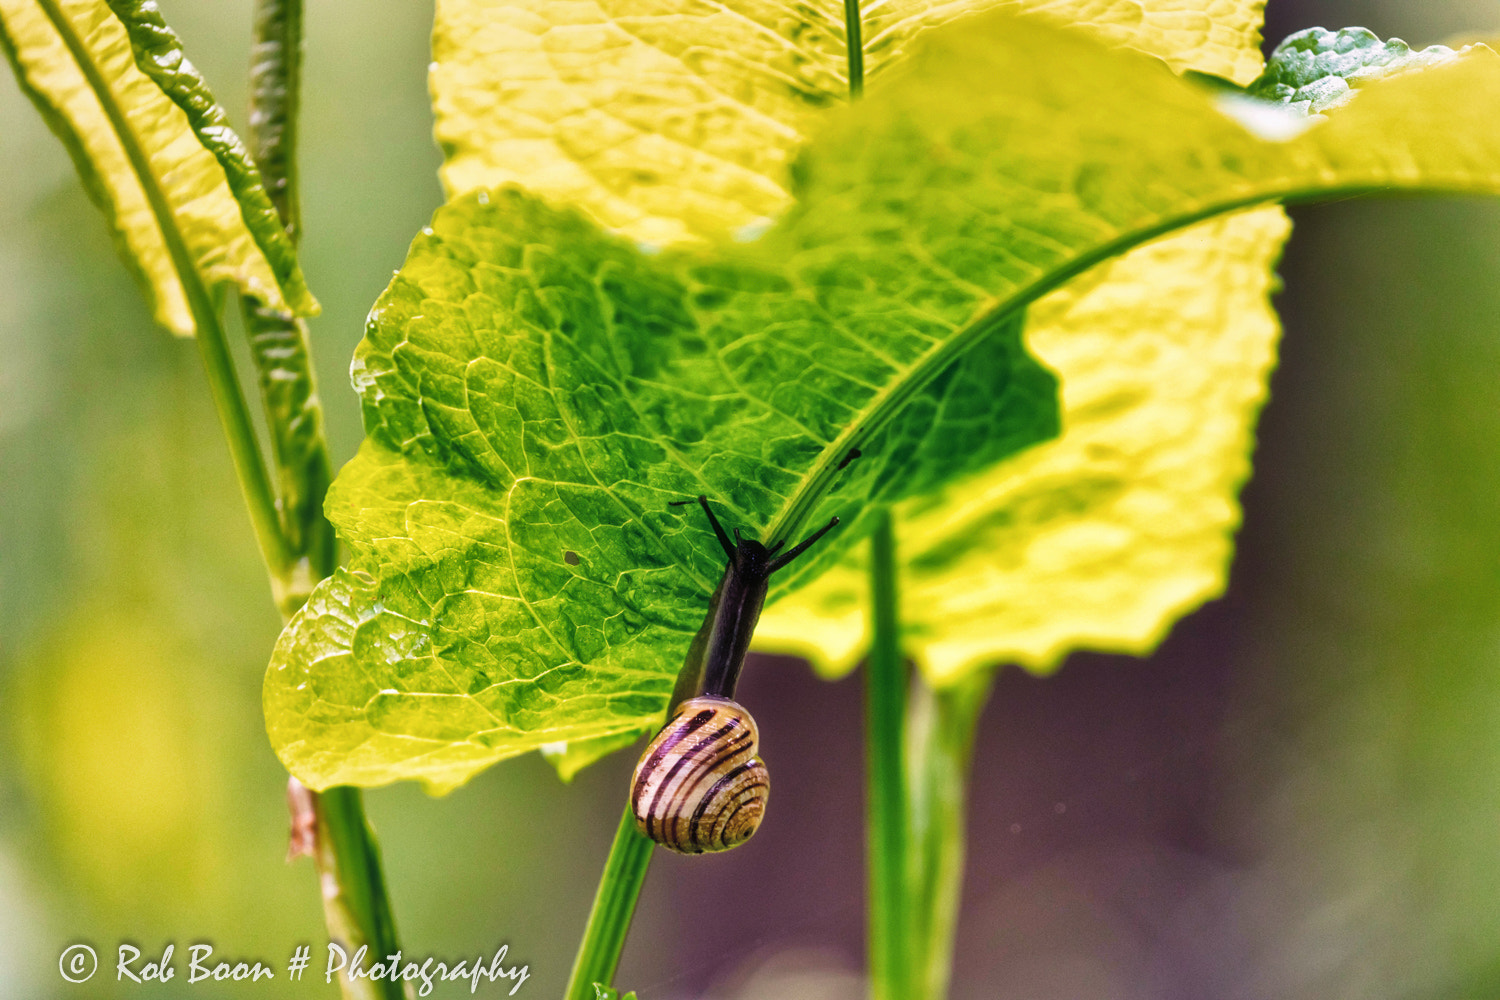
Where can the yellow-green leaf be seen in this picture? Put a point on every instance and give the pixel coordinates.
(1101, 538)
(1220, 37)
(144, 159)
(676, 120)
(708, 143)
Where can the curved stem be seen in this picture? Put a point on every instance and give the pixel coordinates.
(885, 706)
(614, 905)
(244, 446)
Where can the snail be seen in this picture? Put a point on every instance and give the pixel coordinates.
(699, 786)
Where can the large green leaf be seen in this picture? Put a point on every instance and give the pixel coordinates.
(153, 151)
(535, 391)
(517, 575)
(524, 93)
(676, 120)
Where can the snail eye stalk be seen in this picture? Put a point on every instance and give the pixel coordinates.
(702, 501)
(802, 546)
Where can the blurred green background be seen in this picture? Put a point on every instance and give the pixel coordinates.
(1297, 797)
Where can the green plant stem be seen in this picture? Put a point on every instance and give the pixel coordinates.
(275, 99)
(244, 447)
(855, 46)
(885, 698)
(356, 906)
(939, 750)
(279, 342)
(348, 859)
(614, 905)
(299, 450)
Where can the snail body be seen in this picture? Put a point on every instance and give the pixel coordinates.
(700, 787)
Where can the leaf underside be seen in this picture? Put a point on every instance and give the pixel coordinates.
(535, 390)
(531, 415)
(680, 123)
(1105, 537)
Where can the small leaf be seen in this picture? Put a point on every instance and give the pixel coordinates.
(1316, 70)
(533, 387)
(144, 159)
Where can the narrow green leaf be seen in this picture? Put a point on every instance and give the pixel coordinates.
(534, 388)
(137, 150)
(275, 103)
(940, 727)
(159, 54)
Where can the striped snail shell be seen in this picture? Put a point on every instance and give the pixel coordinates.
(699, 786)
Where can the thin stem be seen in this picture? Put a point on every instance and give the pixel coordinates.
(244, 446)
(630, 853)
(614, 905)
(279, 342)
(885, 697)
(275, 99)
(855, 45)
(356, 905)
(939, 751)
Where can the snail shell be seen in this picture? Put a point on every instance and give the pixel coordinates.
(699, 786)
